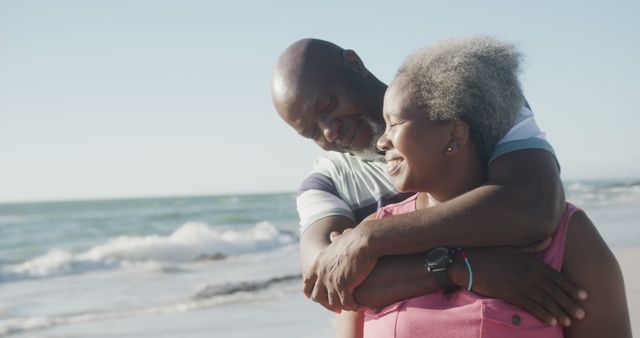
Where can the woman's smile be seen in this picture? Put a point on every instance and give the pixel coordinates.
(394, 165)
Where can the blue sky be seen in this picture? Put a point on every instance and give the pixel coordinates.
(122, 98)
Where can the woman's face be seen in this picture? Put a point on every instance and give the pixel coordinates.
(415, 146)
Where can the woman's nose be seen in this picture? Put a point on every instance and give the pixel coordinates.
(383, 142)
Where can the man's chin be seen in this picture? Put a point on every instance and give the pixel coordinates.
(369, 152)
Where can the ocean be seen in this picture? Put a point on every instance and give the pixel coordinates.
(211, 266)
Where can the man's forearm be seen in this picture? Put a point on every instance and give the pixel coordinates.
(487, 216)
(506, 211)
(316, 238)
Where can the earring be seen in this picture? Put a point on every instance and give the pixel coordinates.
(452, 145)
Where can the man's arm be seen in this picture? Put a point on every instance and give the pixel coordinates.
(316, 238)
(506, 273)
(520, 204)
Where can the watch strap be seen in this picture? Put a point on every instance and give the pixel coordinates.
(444, 282)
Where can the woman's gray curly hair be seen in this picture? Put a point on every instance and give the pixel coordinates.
(474, 80)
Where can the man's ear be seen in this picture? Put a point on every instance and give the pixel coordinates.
(458, 136)
(353, 61)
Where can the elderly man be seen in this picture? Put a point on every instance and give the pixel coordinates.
(327, 94)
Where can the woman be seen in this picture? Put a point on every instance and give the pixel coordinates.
(445, 110)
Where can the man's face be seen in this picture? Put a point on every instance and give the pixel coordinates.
(338, 113)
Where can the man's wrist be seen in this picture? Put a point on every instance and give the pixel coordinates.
(368, 246)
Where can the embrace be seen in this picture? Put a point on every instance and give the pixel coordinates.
(438, 209)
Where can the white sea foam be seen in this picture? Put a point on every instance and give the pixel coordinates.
(602, 193)
(189, 242)
(267, 290)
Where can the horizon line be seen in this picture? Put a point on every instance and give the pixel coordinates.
(139, 197)
(225, 194)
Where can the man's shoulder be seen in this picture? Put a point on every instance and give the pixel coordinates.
(343, 184)
(353, 179)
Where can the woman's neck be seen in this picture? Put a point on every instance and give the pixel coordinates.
(461, 177)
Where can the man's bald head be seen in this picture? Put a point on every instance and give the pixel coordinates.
(310, 61)
(304, 60)
(320, 89)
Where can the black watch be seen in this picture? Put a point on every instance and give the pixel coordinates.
(438, 262)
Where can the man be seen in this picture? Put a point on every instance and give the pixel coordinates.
(326, 94)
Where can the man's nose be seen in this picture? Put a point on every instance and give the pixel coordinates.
(330, 129)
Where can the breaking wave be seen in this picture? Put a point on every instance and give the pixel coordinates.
(190, 242)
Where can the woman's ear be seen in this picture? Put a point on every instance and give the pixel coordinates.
(458, 135)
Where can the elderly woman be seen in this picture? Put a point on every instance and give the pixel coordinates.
(446, 109)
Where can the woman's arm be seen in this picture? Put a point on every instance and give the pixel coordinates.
(507, 273)
(589, 262)
(349, 324)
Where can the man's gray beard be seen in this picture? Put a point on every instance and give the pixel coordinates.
(371, 153)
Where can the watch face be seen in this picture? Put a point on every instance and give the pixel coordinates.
(438, 258)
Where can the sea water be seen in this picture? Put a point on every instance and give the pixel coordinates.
(217, 266)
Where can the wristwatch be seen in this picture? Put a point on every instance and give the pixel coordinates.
(438, 262)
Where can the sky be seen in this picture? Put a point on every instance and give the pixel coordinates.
(132, 98)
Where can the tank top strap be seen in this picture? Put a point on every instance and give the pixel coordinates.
(554, 255)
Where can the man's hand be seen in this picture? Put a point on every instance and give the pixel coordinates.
(520, 278)
(338, 270)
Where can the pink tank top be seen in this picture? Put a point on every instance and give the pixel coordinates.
(463, 314)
